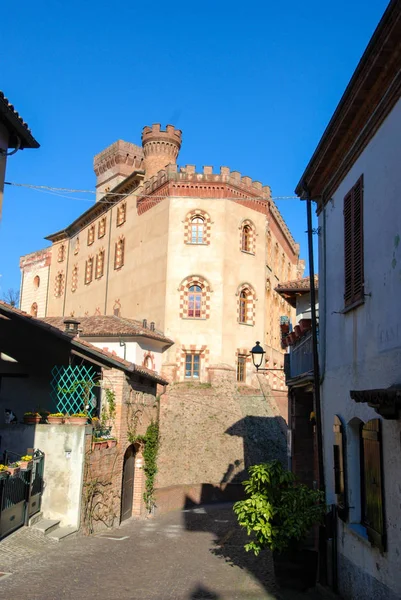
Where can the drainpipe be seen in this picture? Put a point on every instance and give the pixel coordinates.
(316, 376)
(108, 263)
(66, 276)
(322, 299)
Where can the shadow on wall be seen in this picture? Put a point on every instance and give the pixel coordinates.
(203, 593)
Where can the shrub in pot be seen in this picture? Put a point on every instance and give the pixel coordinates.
(278, 514)
(26, 462)
(32, 418)
(55, 418)
(78, 419)
(13, 468)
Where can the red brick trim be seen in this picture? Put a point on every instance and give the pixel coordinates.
(151, 356)
(74, 278)
(251, 225)
(59, 284)
(251, 303)
(203, 352)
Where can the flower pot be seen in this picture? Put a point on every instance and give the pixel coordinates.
(103, 445)
(55, 420)
(111, 443)
(296, 568)
(26, 465)
(77, 420)
(31, 420)
(13, 470)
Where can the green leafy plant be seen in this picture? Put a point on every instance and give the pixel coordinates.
(32, 414)
(58, 415)
(278, 511)
(81, 414)
(150, 451)
(3, 468)
(13, 465)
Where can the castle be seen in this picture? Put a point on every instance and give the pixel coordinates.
(197, 253)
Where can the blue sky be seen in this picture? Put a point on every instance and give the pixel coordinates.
(252, 86)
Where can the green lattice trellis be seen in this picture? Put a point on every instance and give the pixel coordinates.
(72, 389)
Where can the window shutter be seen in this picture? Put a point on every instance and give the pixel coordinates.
(340, 468)
(353, 244)
(372, 483)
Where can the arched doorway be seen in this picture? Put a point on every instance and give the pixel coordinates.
(127, 494)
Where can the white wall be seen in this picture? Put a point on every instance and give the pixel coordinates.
(303, 307)
(363, 351)
(135, 351)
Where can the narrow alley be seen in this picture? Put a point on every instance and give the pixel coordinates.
(184, 555)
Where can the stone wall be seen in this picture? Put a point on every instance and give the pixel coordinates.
(210, 435)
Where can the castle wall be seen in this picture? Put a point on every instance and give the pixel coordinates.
(35, 280)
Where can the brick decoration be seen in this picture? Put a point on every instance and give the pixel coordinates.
(201, 214)
(89, 270)
(119, 252)
(59, 284)
(97, 311)
(250, 305)
(203, 352)
(34, 309)
(61, 253)
(121, 214)
(206, 294)
(101, 231)
(248, 360)
(91, 235)
(74, 278)
(117, 308)
(76, 246)
(252, 234)
(149, 361)
(100, 264)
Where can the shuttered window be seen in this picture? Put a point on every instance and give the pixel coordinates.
(372, 509)
(353, 244)
(340, 468)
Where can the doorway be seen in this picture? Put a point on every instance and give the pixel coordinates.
(128, 483)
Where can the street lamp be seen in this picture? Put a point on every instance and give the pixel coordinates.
(257, 353)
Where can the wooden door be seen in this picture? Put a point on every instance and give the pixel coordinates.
(128, 483)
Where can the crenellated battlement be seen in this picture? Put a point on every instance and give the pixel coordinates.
(156, 133)
(160, 147)
(114, 164)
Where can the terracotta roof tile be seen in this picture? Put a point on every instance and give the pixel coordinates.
(110, 325)
(295, 285)
(17, 124)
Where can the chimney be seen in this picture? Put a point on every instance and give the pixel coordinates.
(145, 324)
(71, 327)
(152, 326)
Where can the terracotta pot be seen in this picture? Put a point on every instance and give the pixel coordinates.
(111, 443)
(77, 420)
(13, 470)
(26, 465)
(55, 420)
(32, 420)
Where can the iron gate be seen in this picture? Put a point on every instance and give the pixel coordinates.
(20, 496)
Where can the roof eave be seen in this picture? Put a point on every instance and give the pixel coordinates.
(20, 135)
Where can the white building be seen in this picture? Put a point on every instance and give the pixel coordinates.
(354, 177)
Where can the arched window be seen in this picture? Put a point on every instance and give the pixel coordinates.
(34, 310)
(100, 264)
(197, 230)
(89, 270)
(36, 282)
(58, 286)
(74, 278)
(76, 246)
(194, 302)
(148, 363)
(119, 252)
(246, 238)
(61, 253)
(243, 306)
(246, 304)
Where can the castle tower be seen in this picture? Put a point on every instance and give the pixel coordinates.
(160, 148)
(114, 164)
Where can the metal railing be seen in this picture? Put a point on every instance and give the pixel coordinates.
(300, 358)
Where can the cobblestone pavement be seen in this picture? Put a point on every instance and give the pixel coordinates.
(189, 555)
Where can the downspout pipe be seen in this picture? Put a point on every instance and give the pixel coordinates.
(322, 298)
(315, 353)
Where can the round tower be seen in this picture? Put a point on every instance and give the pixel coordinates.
(160, 148)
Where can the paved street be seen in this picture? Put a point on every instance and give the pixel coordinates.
(189, 555)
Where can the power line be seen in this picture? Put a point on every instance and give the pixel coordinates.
(57, 190)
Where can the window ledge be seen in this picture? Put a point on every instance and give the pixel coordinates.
(194, 318)
(197, 243)
(359, 531)
(247, 252)
(246, 324)
(352, 306)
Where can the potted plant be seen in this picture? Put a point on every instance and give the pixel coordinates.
(111, 442)
(3, 472)
(78, 419)
(26, 462)
(278, 514)
(13, 468)
(32, 418)
(55, 418)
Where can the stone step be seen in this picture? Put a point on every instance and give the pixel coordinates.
(61, 533)
(35, 519)
(46, 526)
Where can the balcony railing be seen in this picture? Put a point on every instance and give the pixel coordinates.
(300, 359)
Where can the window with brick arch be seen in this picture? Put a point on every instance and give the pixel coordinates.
(101, 231)
(119, 253)
(34, 310)
(246, 238)
(194, 302)
(243, 306)
(58, 288)
(61, 253)
(148, 362)
(100, 264)
(241, 368)
(89, 270)
(74, 278)
(197, 230)
(246, 305)
(91, 235)
(76, 246)
(121, 214)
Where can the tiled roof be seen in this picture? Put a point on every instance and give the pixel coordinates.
(110, 358)
(16, 125)
(109, 326)
(297, 285)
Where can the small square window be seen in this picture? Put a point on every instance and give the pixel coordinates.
(241, 368)
(192, 366)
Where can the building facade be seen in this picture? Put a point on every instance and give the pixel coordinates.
(198, 254)
(354, 178)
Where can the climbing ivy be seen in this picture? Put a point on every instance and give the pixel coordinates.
(151, 448)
